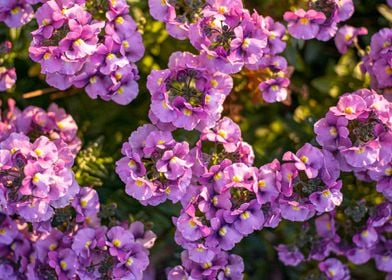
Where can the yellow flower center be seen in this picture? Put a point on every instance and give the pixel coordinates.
(223, 231)
(47, 56)
(192, 223)
(333, 131)
(93, 80)
(63, 265)
(83, 203)
(222, 9)
(78, 42)
(222, 133)
(36, 178)
(87, 244)
(139, 183)
(200, 249)
(117, 243)
(304, 159)
(111, 56)
(349, 110)
(187, 112)
(119, 20)
(52, 246)
(246, 43)
(361, 150)
(214, 83)
(295, 208)
(125, 44)
(218, 176)
(207, 265)
(326, 193)
(118, 76)
(304, 21)
(227, 271)
(120, 90)
(129, 261)
(38, 152)
(275, 87)
(388, 171)
(45, 22)
(3, 231)
(236, 179)
(262, 184)
(245, 215)
(15, 10)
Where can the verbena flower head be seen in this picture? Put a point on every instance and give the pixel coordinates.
(377, 61)
(187, 95)
(358, 132)
(155, 167)
(96, 49)
(35, 177)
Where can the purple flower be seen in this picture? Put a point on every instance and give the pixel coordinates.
(308, 159)
(334, 269)
(274, 90)
(304, 24)
(15, 13)
(88, 239)
(295, 211)
(7, 78)
(290, 256)
(64, 262)
(224, 235)
(119, 241)
(247, 218)
(133, 263)
(346, 36)
(366, 238)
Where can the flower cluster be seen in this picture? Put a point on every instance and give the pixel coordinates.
(80, 44)
(320, 20)
(378, 61)
(358, 131)
(358, 243)
(7, 74)
(74, 249)
(35, 178)
(16, 13)
(50, 228)
(187, 95)
(225, 198)
(155, 167)
(229, 38)
(37, 151)
(33, 121)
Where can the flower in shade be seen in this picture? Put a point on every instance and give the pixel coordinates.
(334, 269)
(304, 24)
(346, 36)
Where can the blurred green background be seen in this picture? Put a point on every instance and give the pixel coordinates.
(320, 76)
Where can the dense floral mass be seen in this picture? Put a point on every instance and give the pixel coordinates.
(38, 188)
(336, 189)
(80, 45)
